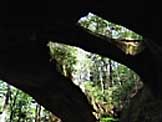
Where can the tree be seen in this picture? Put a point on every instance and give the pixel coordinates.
(63, 55)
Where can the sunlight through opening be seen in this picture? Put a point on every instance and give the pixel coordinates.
(125, 39)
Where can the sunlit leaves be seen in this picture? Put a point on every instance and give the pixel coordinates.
(64, 55)
(21, 107)
(92, 73)
(125, 39)
(106, 28)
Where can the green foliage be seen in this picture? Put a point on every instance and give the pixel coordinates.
(64, 55)
(108, 119)
(20, 107)
(128, 41)
(98, 25)
(110, 98)
(94, 91)
(113, 98)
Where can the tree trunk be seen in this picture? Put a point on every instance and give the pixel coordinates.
(38, 113)
(13, 106)
(3, 115)
(110, 73)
